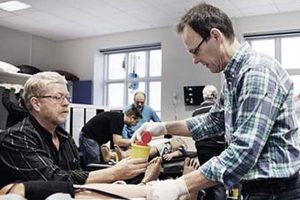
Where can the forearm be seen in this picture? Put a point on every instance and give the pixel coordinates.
(123, 143)
(196, 181)
(107, 175)
(127, 191)
(177, 128)
(118, 140)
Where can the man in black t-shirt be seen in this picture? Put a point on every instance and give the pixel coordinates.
(105, 127)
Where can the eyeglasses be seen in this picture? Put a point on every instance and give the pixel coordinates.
(57, 99)
(139, 102)
(195, 51)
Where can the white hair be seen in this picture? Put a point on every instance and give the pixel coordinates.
(210, 92)
(35, 85)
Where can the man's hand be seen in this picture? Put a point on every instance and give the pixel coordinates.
(169, 189)
(130, 167)
(155, 128)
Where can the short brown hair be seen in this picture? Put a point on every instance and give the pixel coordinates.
(203, 17)
(134, 112)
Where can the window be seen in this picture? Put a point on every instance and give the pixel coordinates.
(133, 69)
(296, 80)
(284, 47)
(290, 52)
(265, 46)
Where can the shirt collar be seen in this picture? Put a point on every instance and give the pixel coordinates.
(234, 64)
(62, 134)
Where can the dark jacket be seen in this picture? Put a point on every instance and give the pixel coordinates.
(28, 153)
(16, 113)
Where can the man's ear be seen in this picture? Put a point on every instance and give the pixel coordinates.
(216, 34)
(35, 104)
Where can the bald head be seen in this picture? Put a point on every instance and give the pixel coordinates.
(139, 100)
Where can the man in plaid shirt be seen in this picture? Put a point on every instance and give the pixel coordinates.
(255, 110)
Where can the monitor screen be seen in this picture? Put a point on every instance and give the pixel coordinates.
(193, 95)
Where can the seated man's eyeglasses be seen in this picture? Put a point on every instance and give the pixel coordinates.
(57, 99)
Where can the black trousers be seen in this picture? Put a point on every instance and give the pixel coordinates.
(206, 149)
(272, 188)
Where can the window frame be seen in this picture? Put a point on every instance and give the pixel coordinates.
(126, 80)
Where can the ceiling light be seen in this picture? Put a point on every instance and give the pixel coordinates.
(13, 5)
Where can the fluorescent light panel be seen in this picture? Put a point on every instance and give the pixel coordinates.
(13, 6)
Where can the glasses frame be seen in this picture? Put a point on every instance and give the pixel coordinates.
(196, 50)
(59, 99)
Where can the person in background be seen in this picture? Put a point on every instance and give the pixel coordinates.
(210, 147)
(38, 149)
(105, 127)
(147, 112)
(210, 95)
(255, 111)
(16, 110)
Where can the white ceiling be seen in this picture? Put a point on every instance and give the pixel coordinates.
(71, 19)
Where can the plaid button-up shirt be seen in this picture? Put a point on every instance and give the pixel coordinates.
(256, 111)
(28, 153)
